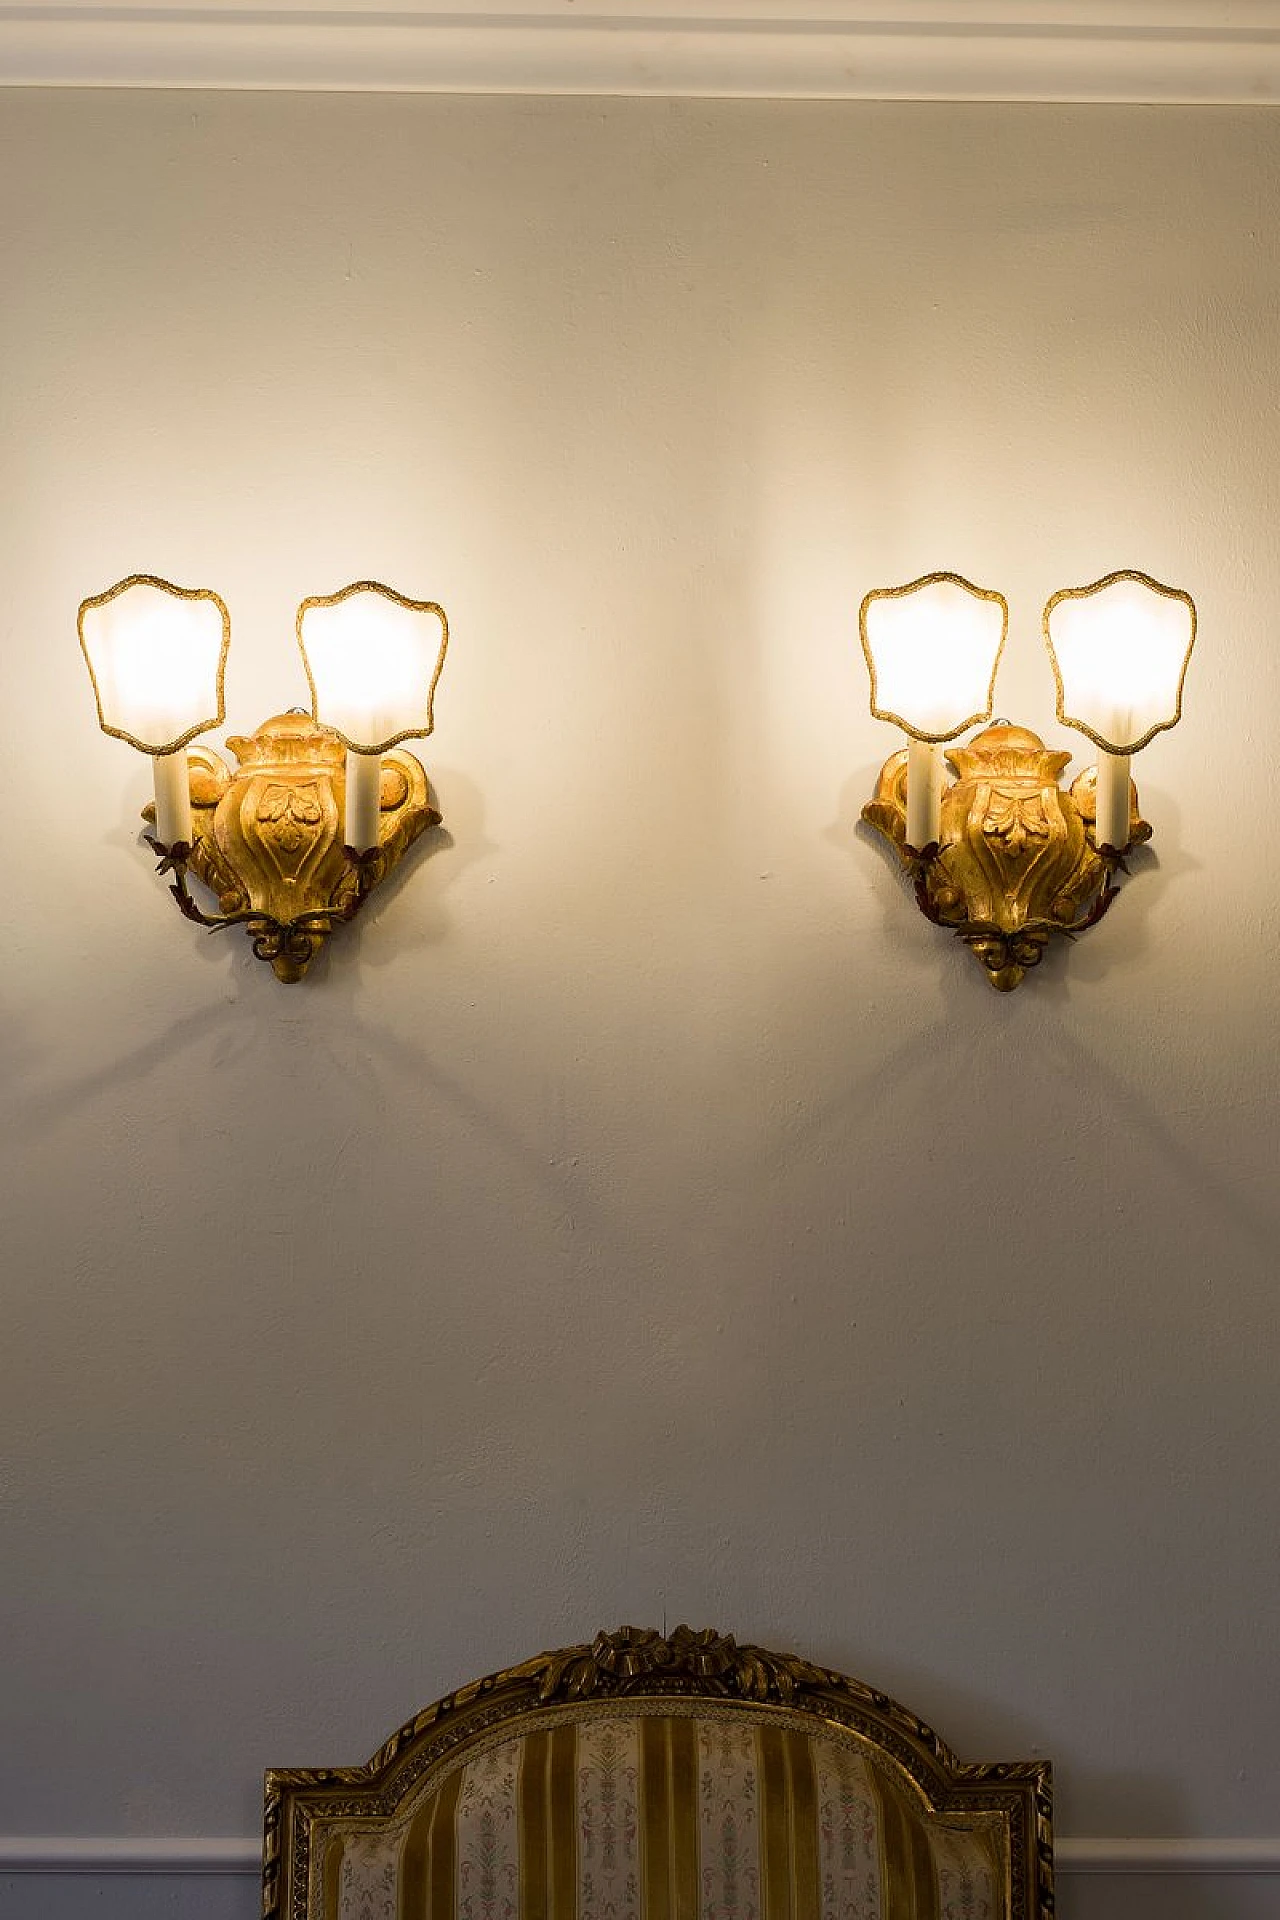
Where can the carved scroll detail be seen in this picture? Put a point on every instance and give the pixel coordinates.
(268, 838)
(1017, 858)
(631, 1657)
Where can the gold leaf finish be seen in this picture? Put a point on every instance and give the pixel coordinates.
(269, 838)
(1017, 859)
(637, 1657)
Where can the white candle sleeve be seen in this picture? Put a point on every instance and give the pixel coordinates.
(362, 827)
(924, 794)
(1112, 829)
(173, 798)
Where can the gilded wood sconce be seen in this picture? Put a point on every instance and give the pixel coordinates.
(321, 807)
(1003, 855)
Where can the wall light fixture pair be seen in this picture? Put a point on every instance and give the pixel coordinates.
(1003, 855)
(321, 806)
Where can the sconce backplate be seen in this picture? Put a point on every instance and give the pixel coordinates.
(268, 837)
(1016, 859)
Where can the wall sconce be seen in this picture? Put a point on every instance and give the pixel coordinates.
(1003, 855)
(320, 808)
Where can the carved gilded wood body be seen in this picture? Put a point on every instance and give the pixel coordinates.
(1016, 859)
(269, 840)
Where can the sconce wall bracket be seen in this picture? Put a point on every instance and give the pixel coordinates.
(268, 837)
(1017, 859)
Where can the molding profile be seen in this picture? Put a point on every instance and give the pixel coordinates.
(1168, 1856)
(188, 1856)
(71, 1854)
(1121, 51)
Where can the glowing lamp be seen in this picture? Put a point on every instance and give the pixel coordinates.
(293, 839)
(1005, 855)
(1120, 650)
(373, 659)
(156, 655)
(932, 651)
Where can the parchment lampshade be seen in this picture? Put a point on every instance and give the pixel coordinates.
(156, 655)
(932, 650)
(1120, 650)
(373, 658)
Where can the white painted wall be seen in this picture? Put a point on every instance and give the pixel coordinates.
(646, 1214)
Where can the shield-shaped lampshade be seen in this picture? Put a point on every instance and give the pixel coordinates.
(373, 658)
(1120, 650)
(932, 651)
(156, 655)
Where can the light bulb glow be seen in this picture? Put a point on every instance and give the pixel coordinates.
(1120, 650)
(373, 659)
(156, 655)
(932, 650)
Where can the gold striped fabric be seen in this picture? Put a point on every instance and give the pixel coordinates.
(666, 1816)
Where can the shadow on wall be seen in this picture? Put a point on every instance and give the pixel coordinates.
(372, 1058)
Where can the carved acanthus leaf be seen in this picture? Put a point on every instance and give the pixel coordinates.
(267, 840)
(634, 1659)
(1017, 859)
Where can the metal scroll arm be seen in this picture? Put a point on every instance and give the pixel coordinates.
(919, 864)
(271, 936)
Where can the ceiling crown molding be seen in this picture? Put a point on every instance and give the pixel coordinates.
(1224, 52)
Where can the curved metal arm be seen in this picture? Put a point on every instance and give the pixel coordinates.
(288, 945)
(174, 860)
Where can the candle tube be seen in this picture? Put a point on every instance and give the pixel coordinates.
(1112, 791)
(173, 798)
(363, 791)
(924, 794)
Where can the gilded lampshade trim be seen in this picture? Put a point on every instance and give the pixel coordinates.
(403, 600)
(1084, 593)
(898, 593)
(181, 593)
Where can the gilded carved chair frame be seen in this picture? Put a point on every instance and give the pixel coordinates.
(641, 1663)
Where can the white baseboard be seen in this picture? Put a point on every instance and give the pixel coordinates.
(1161, 51)
(233, 1856)
(180, 1856)
(1167, 1856)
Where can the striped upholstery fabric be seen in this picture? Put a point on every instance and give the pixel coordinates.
(627, 1815)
